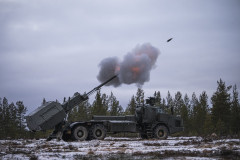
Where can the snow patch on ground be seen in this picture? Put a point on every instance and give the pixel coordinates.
(121, 148)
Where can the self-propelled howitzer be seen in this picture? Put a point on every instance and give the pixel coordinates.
(149, 120)
(52, 113)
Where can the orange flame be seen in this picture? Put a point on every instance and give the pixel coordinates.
(135, 69)
(117, 69)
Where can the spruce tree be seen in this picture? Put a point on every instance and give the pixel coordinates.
(221, 104)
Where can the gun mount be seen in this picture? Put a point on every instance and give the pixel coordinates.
(50, 114)
(151, 101)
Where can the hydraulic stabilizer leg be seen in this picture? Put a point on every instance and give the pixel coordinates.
(57, 132)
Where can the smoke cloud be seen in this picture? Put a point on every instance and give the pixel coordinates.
(135, 67)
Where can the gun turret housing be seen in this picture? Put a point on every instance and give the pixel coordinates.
(50, 114)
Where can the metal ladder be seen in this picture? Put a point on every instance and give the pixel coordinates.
(149, 132)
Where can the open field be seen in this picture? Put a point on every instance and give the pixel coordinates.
(122, 148)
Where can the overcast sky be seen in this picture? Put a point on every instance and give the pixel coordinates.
(52, 49)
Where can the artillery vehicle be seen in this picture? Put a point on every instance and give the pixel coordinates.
(150, 121)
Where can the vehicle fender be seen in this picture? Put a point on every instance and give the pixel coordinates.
(74, 124)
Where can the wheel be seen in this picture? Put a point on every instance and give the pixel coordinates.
(80, 133)
(98, 132)
(161, 132)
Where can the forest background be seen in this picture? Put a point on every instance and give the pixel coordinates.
(221, 116)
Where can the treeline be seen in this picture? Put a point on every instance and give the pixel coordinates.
(222, 118)
(12, 123)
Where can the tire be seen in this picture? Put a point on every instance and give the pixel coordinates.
(98, 132)
(161, 132)
(80, 133)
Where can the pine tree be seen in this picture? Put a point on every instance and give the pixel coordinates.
(195, 110)
(6, 117)
(202, 111)
(1, 119)
(12, 119)
(99, 106)
(130, 110)
(80, 112)
(221, 127)
(170, 103)
(187, 103)
(140, 97)
(164, 106)
(164, 102)
(208, 126)
(73, 115)
(21, 111)
(115, 108)
(9, 120)
(235, 112)
(185, 114)
(178, 103)
(158, 99)
(11, 126)
(105, 104)
(84, 111)
(44, 101)
(221, 105)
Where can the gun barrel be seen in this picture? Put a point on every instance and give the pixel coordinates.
(98, 87)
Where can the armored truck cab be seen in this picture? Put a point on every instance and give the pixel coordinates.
(154, 122)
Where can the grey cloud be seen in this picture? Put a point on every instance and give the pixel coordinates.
(52, 49)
